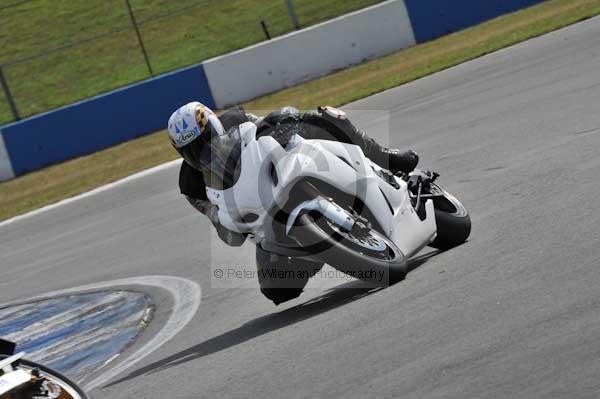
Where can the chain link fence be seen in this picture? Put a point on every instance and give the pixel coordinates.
(56, 52)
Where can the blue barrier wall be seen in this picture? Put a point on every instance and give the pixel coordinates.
(102, 121)
(434, 18)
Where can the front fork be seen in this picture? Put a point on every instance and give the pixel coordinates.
(325, 207)
(420, 189)
(349, 221)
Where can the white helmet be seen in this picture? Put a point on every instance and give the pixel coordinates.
(191, 129)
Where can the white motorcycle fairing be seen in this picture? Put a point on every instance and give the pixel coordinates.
(268, 172)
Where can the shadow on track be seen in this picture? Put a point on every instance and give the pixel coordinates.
(331, 299)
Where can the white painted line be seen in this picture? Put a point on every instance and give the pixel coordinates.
(60, 349)
(186, 300)
(36, 330)
(95, 191)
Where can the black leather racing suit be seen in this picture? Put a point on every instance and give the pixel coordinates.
(321, 124)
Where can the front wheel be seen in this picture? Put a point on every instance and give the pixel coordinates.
(370, 257)
(45, 383)
(453, 221)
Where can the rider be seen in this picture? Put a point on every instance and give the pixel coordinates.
(193, 125)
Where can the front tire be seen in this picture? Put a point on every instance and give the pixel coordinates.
(373, 258)
(453, 222)
(70, 389)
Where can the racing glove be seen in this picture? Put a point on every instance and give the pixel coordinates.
(229, 237)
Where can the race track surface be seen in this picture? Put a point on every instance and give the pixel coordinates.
(514, 313)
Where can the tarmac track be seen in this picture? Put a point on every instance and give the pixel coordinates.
(515, 312)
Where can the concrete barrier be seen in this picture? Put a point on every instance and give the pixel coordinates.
(99, 122)
(6, 170)
(312, 52)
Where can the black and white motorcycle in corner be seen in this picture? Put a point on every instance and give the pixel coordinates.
(325, 201)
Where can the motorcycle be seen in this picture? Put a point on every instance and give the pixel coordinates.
(24, 379)
(325, 201)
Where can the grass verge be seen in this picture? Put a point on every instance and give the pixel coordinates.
(85, 173)
(99, 51)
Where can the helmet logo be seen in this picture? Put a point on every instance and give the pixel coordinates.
(185, 138)
(184, 133)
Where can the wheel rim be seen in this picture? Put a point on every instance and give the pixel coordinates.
(370, 242)
(378, 246)
(56, 380)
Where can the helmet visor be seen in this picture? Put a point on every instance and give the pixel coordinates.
(208, 128)
(217, 156)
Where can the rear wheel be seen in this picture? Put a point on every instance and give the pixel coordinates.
(453, 221)
(369, 256)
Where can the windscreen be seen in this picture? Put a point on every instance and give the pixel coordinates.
(223, 160)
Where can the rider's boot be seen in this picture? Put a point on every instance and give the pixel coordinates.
(398, 161)
(282, 278)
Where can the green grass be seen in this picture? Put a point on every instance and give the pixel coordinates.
(63, 77)
(82, 174)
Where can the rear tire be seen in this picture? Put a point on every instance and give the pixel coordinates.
(376, 259)
(453, 222)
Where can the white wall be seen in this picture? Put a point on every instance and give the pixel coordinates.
(309, 53)
(6, 171)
